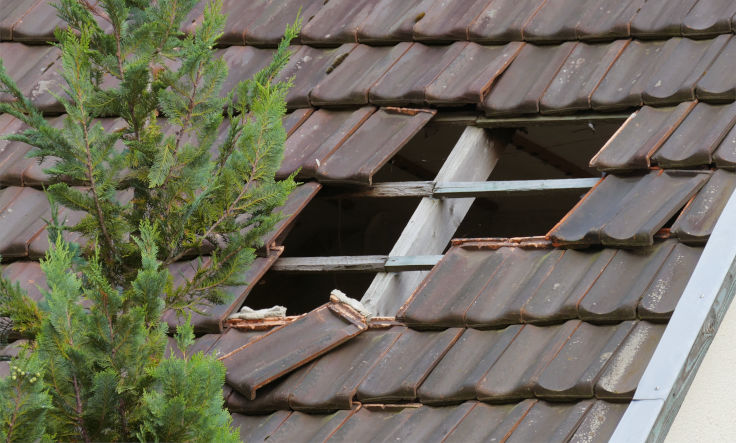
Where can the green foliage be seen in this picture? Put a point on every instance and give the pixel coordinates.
(192, 170)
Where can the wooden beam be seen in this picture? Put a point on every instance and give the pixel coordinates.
(689, 332)
(561, 163)
(355, 263)
(435, 221)
(543, 120)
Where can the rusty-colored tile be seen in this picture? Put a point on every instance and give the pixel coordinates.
(21, 217)
(556, 20)
(307, 67)
(660, 18)
(606, 20)
(675, 78)
(522, 85)
(489, 422)
(697, 136)
(406, 80)
(461, 369)
(38, 24)
(631, 147)
(288, 347)
(550, 422)
(557, 297)
(318, 138)
(268, 28)
(661, 297)
(579, 76)
(573, 372)
(627, 210)
(301, 427)
(621, 376)
(373, 144)
(350, 81)
(502, 21)
(709, 17)
(258, 427)
(699, 217)
(331, 383)
(392, 22)
(718, 83)
(243, 62)
(470, 76)
(515, 373)
(447, 20)
(336, 22)
(404, 367)
(622, 86)
(11, 11)
(599, 422)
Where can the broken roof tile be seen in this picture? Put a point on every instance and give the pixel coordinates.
(392, 21)
(404, 367)
(599, 422)
(406, 80)
(661, 297)
(318, 138)
(336, 22)
(579, 76)
(697, 220)
(660, 18)
(455, 377)
(718, 83)
(307, 67)
(674, 79)
(709, 17)
(621, 376)
(470, 76)
(489, 422)
(288, 347)
(515, 373)
(502, 21)
(267, 28)
(573, 372)
(625, 81)
(631, 147)
(616, 293)
(331, 383)
(447, 20)
(627, 210)
(606, 20)
(555, 21)
(550, 422)
(522, 85)
(695, 139)
(373, 144)
(350, 82)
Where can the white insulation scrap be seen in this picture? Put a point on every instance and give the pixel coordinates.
(247, 313)
(338, 296)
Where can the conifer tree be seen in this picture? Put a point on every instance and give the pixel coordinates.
(192, 171)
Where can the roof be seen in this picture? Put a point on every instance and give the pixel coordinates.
(519, 339)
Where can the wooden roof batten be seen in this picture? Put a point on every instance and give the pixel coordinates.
(689, 333)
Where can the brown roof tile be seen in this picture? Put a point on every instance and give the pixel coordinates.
(718, 83)
(336, 22)
(22, 211)
(502, 21)
(600, 422)
(660, 18)
(391, 21)
(605, 20)
(447, 20)
(709, 17)
(556, 20)
(36, 71)
(550, 421)
(11, 11)
(697, 220)
(268, 27)
(489, 422)
(725, 155)
(38, 24)
(301, 427)
(257, 427)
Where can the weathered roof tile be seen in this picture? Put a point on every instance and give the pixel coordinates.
(605, 20)
(718, 83)
(502, 21)
(697, 220)
(391, 21)
(447, 20)
(660, 18)
(336, 22)
(709, 17)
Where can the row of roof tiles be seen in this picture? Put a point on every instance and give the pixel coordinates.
(261, 22)
(516, 78)
(530, 420)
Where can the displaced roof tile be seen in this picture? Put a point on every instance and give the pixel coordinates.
(288, 347)
(616, 293)
(522, 85)
(406, 80)
(502, 21)
(632, 145)
(605, 20)
(373, 144)
(624, 83)
(621, 376)
(318, 138)
(662, 295)
(457, 374)
(660, 18)
(709, 17)
(447, 20)
(719, 83)
(349, 83)
(697, 136)
(699, 217)
(579, 76)
(470, 76)
(392, 21)
(627, 210)
(336, 22)
(675, 78)
(398, 374)
(517, 370)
